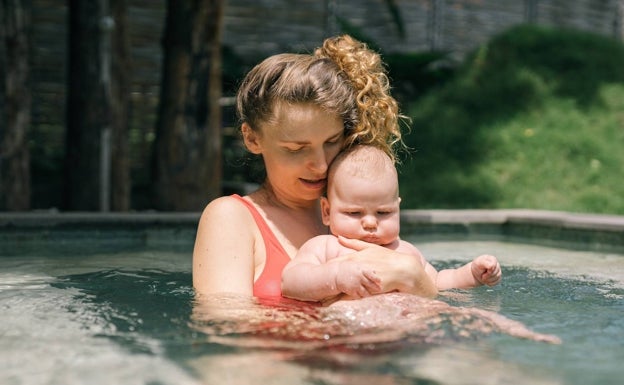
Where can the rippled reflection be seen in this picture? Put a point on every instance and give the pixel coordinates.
(373, 322)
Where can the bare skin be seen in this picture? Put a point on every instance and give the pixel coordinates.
(324, 270)
(362, 203)
(297, 148)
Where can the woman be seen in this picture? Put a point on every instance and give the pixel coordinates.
(298, 112)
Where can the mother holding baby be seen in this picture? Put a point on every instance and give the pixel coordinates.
(298, 111)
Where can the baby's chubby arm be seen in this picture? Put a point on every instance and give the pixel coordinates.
(483, 270)
(315, 275)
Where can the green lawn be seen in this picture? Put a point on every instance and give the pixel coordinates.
(534, 119)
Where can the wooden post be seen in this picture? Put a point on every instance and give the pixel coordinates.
(14, 153)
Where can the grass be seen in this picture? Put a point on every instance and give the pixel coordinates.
(533, 119)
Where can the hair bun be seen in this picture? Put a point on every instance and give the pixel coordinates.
(378, 110)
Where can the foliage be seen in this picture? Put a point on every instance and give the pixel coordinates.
(533, 119)
(411, 74)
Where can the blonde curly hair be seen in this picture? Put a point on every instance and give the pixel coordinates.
(378, 122)
(343, 76)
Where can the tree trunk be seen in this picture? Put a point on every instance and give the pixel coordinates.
(187, 158)
(120, 89)
(14, 153)
(88, 106)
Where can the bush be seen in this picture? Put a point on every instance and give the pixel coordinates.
(520, 125)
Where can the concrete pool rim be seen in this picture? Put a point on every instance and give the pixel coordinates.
(598, 232)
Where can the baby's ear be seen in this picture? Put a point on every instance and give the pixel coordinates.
(399, 200)
(325, 210)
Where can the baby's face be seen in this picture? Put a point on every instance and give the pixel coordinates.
(363, 209)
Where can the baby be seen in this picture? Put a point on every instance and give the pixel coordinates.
(363, 203)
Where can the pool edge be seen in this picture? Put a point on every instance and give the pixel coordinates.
(558, 228)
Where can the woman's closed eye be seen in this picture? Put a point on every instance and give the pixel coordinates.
(294, 149)
(333, 142)
(336, 140)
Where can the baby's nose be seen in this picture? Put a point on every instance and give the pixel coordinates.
(369, 222)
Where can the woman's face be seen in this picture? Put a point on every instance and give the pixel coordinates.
(297, 148)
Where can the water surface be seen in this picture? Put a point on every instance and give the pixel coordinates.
(132, 318)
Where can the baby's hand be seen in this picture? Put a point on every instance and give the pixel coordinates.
(486, 270)
(355, 281)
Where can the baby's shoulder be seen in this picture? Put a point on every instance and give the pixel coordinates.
(323, 240)
(325, 247)
(403, 246)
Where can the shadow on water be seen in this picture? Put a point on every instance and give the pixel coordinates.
(147, 311)
(151, 312)
(148, 306)
(397, 340)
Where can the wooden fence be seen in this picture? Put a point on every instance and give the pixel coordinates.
(255, 29)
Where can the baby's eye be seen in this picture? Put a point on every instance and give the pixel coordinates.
(353, 213)
(383, 213)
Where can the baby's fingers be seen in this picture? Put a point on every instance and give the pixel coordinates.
(359, 292)
(488, 262)
(372, 282)
(492, 277)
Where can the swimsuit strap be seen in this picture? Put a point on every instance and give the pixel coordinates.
(269, 283)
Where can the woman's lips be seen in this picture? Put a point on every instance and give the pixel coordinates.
(314, 183)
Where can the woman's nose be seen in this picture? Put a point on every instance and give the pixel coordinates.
(318, 163)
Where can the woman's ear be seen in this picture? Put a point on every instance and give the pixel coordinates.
(251, 139)
(325, 210)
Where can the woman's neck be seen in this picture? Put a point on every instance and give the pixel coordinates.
(267, 196)
(298, 222)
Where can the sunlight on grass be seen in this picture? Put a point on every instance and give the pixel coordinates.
(528, 122)
(561, 158)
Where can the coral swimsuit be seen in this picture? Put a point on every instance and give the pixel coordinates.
(269, 284)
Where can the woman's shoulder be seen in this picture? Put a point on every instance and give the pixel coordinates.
(226, 207)
(224, 253)
(226, 220)
(226, 202)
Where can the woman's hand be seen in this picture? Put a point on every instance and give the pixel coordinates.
(355, 281)
(396, 271)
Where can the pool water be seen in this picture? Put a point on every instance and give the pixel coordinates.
(132, 318)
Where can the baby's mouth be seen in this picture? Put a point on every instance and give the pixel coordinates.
(371, 239)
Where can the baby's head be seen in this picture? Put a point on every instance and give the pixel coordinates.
(363, 196)
(364, 162)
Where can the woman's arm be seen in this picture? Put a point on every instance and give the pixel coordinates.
(223, 257)
(397, 271)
